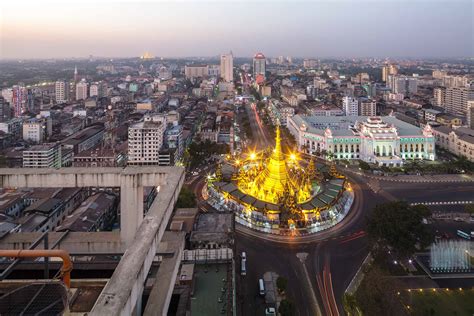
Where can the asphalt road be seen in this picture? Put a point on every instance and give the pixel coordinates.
(428, 191)
(261, 139)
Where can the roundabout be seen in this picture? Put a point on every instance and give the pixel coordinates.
(280, 196)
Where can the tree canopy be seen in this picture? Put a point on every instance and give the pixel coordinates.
(399, 226)
(199, 151)
(186, 198)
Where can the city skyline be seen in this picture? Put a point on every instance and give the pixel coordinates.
(172, 29)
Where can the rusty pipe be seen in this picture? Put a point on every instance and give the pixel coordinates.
(66, 268)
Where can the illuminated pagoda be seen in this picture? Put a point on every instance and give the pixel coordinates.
(272, 188)
(276, 177)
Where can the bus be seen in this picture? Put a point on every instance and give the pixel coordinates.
(261, 287)
(462, 234)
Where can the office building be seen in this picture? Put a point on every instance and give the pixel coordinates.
(388, 70)
(439, 96)
(145, 140)
(456, 100)
(61, 91)
(196, 71)
(368, 108)
(403, 84)
(81, 90)
(470, 114)
(227, 67)
(42, 156)
(456, 81)
(259, 66)
(386, 141)
(350, 106)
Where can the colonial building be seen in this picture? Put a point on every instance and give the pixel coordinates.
(459, 141)
(385, 141)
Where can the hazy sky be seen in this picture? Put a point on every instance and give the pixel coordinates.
(338, 28)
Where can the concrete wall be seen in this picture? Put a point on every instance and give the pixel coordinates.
(122, 294)
(74, 242)
(131, 181)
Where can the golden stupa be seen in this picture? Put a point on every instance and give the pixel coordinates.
(276, 178)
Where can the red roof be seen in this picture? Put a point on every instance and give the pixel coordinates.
(259, 55)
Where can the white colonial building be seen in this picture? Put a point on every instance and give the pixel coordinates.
(385, 141)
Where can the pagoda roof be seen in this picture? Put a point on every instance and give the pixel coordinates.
(249, 199)
(326, 199)
(229, 187)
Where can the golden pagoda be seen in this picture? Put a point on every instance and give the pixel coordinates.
(276, 178)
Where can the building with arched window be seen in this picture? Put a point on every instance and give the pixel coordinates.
(386, 141)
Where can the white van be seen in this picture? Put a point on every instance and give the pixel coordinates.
(244, 270)
(261, 287)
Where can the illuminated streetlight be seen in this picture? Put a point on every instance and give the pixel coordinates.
(253, 156)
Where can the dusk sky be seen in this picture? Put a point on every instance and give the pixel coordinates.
(331, 28)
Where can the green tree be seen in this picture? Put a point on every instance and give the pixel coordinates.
(281, 284)
(377, 294)
(469, 208)
(399, 227)
(287, 308)
(363, 165)
(186, 198)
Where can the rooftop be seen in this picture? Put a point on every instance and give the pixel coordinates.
(340, 125)
(214, 222)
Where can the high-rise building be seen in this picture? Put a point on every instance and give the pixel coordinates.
(388, 70)
(403, 84)
(227, 67)
(145, 140)
(439, 96)
(350, 106)
(470, 114)
(5, 110)
(81, 90)
(19, 98)
(61, 90)
(439, 74)
(456, 100)
(456, 81)
(368, 108)
(259, 66)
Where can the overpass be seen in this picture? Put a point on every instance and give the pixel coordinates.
(139, 237)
